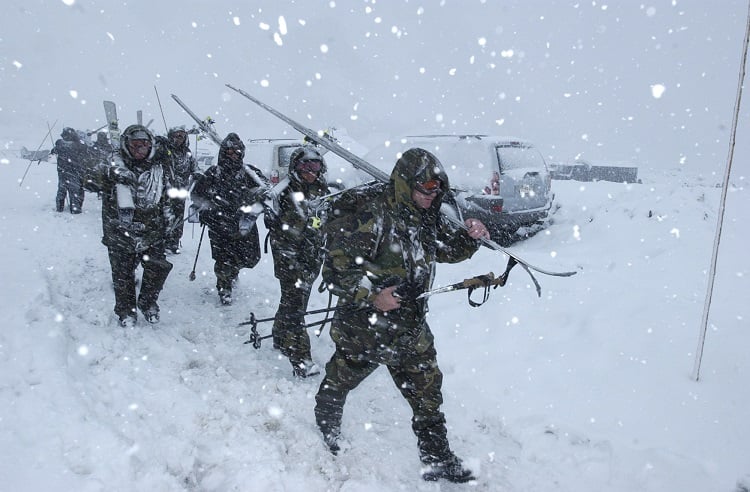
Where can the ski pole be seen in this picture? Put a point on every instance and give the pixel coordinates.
(200, 241)
(162, 110)
(49, 134)
(253, 320)
(471, 284)
(256, 338)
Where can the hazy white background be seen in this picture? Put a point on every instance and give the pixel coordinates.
(585, 389)
(574, 76)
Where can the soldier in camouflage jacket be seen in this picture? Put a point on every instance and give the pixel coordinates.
(135, 239)
(379, 261)
(296, 243)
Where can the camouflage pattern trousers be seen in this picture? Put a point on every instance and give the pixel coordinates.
(124, 262)
(289, 332)
(418, 378)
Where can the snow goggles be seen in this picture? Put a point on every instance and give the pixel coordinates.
(429, 187)
(139, 143)
(231, 152)
(309, 166)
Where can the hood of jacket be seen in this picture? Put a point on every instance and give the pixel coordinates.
(231, 141)
(69, 134)
(137, 132)
(185, 143)
(416, 165)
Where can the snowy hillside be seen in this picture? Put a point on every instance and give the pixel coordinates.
(585, 389)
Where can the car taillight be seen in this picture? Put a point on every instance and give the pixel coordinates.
(497, 208)
(494, 184)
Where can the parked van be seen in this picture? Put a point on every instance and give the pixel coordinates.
(271, 155)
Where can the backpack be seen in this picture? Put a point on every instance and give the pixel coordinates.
(338, 206)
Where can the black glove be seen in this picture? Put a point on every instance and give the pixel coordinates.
(123, 175)
(271, 220)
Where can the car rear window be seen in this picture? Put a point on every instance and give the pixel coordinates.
(518, 156)
(468, 162)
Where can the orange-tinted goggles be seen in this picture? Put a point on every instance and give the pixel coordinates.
(309, 166)
(429, 187)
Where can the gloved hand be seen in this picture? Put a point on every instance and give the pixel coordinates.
(259, 195)
(271, 220)
(248, 215)
(123, 175)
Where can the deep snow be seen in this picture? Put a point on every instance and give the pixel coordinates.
(585, 388)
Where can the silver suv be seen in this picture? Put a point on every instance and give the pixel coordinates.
(502, 181)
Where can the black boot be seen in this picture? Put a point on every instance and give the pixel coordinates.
(328, 411)
(450, 469)
(332, 441)
(150, 311)
(225, 296)
(304, 368)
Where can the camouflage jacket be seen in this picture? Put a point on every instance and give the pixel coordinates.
(148, 187)
(72, 155)
(295, 229)
(184, 166)
(225, 194)
(391, 242)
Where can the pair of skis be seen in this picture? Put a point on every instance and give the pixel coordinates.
(326, 141)
(123, 193)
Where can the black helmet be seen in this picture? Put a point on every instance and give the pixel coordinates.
(69, 134)
(137, 132)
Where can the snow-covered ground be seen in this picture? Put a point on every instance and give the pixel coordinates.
(587, 388)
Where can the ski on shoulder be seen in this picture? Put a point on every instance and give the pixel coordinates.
(326, 141)
(204, 125)
(110, 112)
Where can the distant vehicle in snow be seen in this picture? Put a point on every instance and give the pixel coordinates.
(34, 155)
(582, 170)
